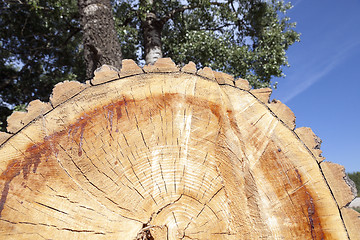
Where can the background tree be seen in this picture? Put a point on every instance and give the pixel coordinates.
(246, 38)
(355, 176)
(100, 42)
(40, 46)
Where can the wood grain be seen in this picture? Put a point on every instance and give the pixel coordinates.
(165, 154)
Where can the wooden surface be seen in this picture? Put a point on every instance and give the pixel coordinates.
(166, 153)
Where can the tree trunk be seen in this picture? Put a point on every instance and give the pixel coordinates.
(167, 154)
(152, 36)
(101, 45)
(152, 28)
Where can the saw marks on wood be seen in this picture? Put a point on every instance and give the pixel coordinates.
(166, 154)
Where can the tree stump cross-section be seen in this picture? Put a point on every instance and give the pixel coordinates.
(164, 153)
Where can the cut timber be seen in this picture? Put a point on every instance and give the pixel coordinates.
(206, 72)
(263, 94)
(352, 222)
(130, 68)
(104, 74)
(4, 136)
(336, 177)
(65, 90)
(223, 78)
(189, 68)
(165, 65)
(343, 194)
(166, 154)
(283, 112)
(312, 141)
(242, 84)
(18, 120)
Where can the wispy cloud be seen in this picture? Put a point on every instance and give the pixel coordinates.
(313, 73)
(295, 3)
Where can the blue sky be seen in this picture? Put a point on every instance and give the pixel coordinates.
(322, 84)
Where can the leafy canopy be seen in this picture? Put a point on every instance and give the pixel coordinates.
(247, 39)
(41, 41)
(40, 46)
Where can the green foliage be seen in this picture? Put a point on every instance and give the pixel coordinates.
(355, 176)
(41, 41)
(247, 39)
(40, 46)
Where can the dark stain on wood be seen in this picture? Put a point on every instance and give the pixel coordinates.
(287, 181)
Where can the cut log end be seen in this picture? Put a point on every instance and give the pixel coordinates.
(167, 155)
(130, 68)
(312, 141)
(189, 68)
(242, 84)
(336, 177)
(104, 74)
(4, 137)
(263, 94)
(352, 222)
(207, 72)
(223, 78)
(18, 120)
(283, 112)
(65, 90)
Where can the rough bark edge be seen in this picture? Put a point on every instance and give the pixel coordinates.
(336, 177)
(224, 78)
(263, 94)
(242, 84)
(189, 68)
(65, 90)
(312, 142)
(19, 120)
(162, 65)
(283, 112)
(206, 72)
(129, 68)
(104, 74)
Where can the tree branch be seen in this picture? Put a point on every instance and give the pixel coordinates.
(171, 14)
(71, 35)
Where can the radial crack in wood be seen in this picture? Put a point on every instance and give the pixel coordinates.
(207, 72)
(4, 136)
(352, 222)
(335, 175)
(165, 156)
(312, 141)
(242, 84)
(283, 112)
(263, 94)
(65, 90)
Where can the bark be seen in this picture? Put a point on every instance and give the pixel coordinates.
(152, 27)
(101, 45)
